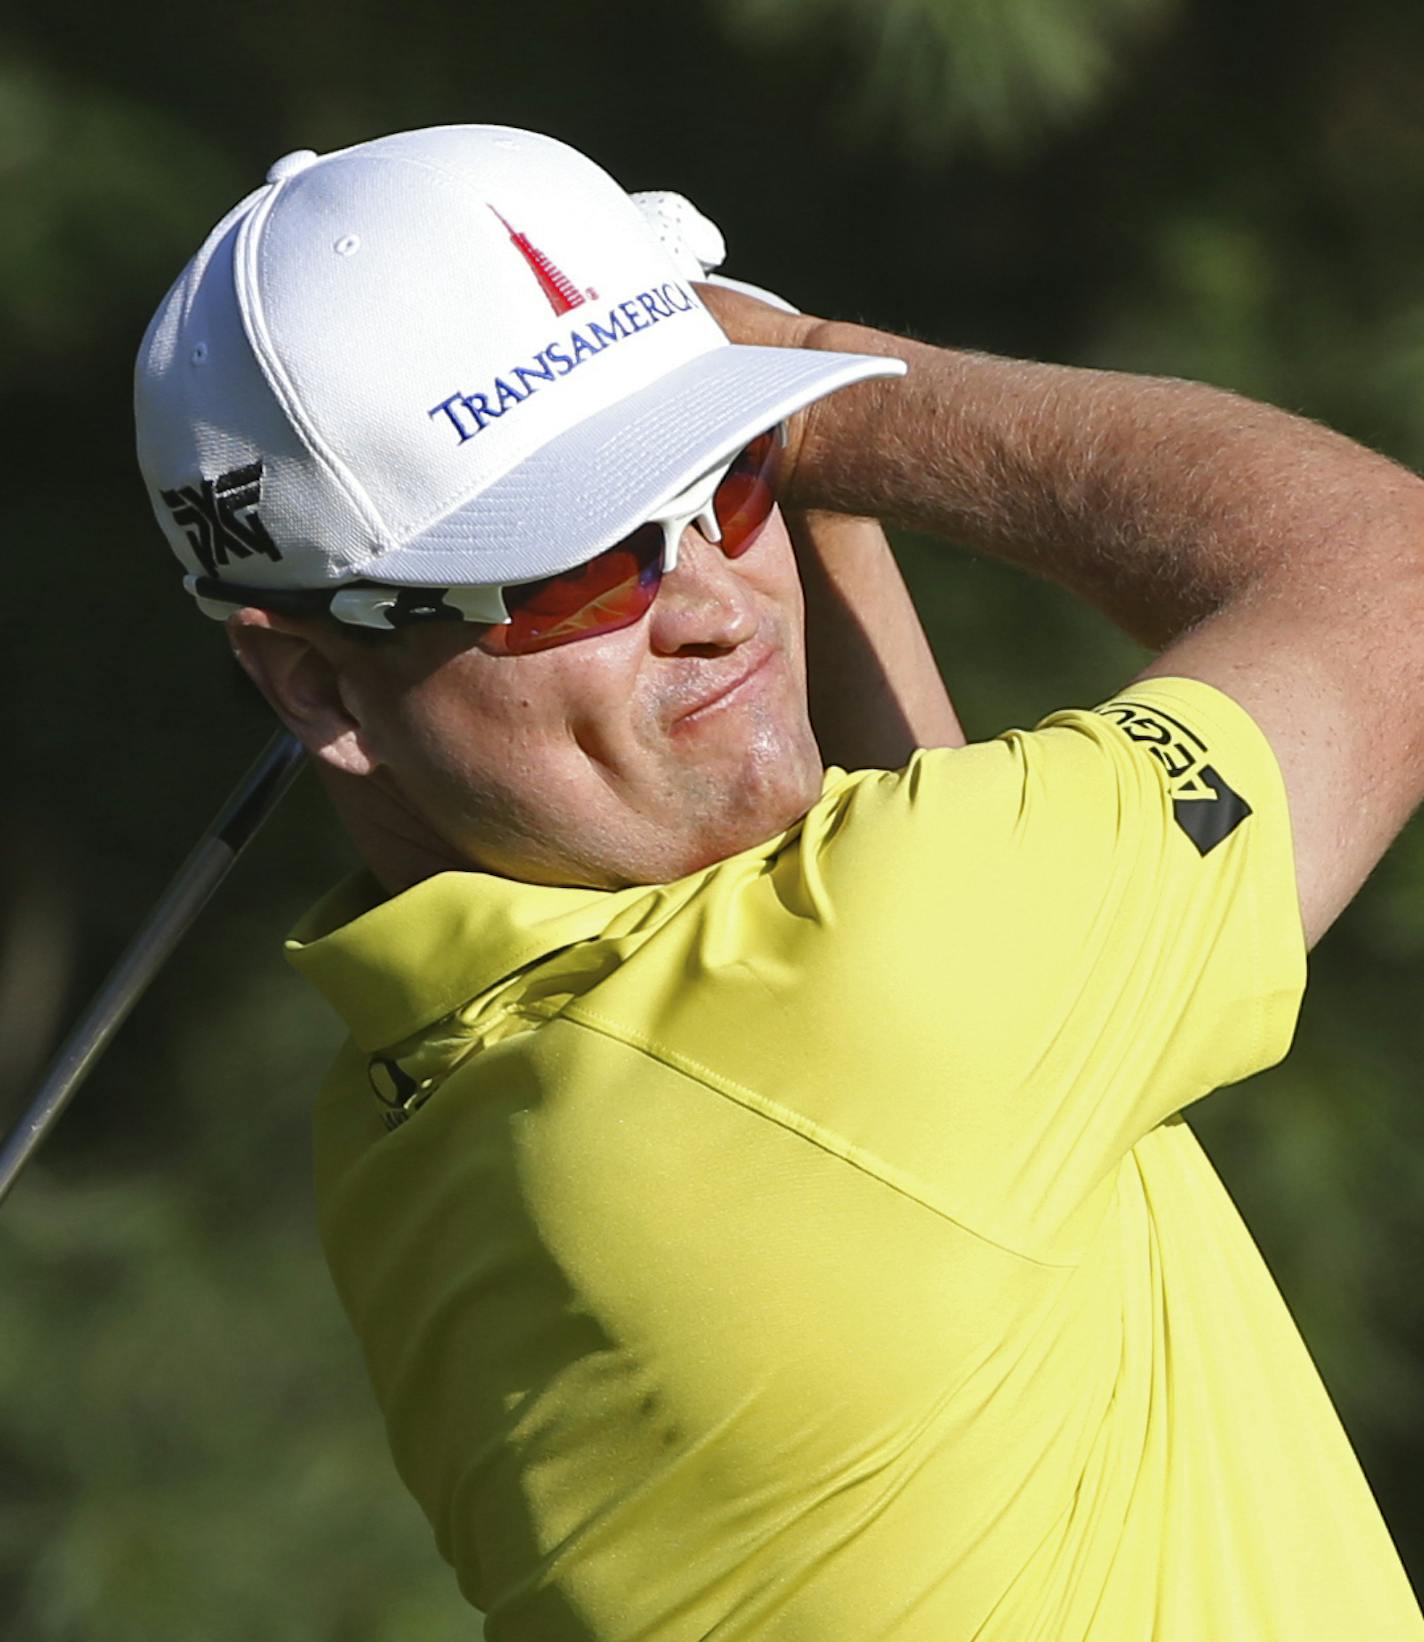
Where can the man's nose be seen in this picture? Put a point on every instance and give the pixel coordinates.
(704, 603)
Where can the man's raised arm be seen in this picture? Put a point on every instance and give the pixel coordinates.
(1254, 550)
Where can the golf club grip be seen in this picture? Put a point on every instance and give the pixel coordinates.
(249, 804)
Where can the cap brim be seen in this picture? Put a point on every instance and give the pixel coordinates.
(594, 484)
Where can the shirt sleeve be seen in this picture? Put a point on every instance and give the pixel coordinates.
(1032, 951)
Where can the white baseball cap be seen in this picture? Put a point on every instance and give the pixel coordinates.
(453, 357)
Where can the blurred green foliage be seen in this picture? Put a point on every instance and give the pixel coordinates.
(937, 73)
(187, 1446)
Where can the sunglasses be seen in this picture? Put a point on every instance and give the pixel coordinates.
(612, 590)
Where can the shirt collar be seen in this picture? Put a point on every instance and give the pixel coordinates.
(393, 966)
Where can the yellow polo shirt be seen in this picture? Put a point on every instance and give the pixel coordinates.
(810, 1250)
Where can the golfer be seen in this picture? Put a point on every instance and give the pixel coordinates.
(756, 1173)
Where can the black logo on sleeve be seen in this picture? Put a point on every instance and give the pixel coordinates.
(1206, 808)
(219, 517)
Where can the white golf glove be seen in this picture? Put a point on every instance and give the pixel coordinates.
(695, 243)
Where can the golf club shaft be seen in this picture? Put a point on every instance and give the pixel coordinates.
(244, 812)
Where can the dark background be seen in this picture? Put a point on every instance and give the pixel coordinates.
(1227, 189)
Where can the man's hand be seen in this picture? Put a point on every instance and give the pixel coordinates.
(746, 320)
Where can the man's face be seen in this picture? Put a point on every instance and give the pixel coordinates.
(630, 758)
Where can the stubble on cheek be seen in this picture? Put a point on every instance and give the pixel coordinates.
(745, 775)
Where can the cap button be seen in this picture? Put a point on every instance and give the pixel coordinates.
(291, 165)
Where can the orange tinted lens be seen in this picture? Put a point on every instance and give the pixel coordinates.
(607, 593)
(617, 587)
(745, 498)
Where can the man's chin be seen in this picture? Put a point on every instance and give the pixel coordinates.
(764, 810)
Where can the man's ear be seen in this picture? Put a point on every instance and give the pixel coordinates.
(300, 677)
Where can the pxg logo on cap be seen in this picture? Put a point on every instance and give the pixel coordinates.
(219, 517)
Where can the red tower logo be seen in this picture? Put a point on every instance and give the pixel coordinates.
(561, 291)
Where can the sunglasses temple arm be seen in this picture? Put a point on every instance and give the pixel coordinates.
(248, 806)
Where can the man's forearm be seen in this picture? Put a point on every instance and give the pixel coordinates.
(1159, 501)
(875, 689)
